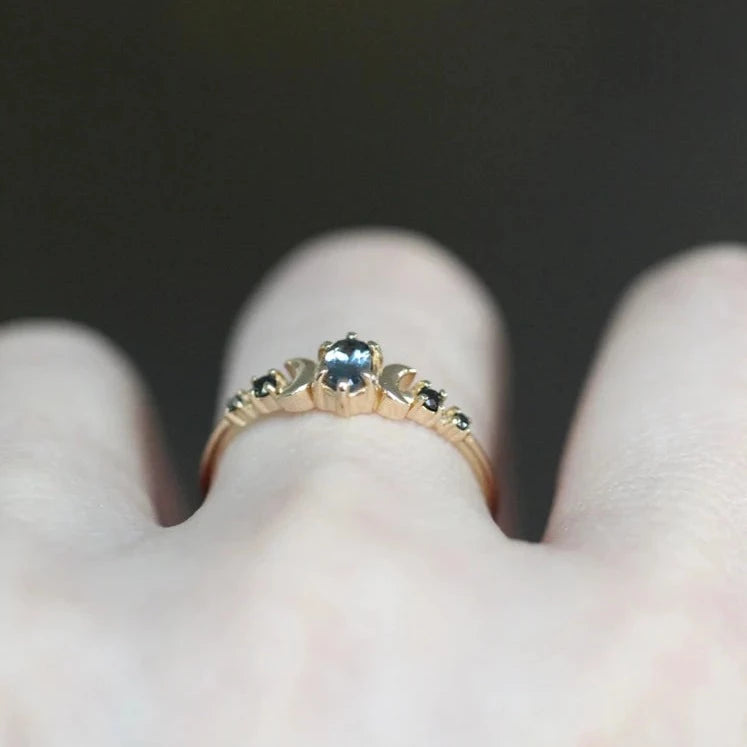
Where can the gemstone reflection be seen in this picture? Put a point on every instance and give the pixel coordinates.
(346, 361)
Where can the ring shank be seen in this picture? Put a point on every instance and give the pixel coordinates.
(226, 430)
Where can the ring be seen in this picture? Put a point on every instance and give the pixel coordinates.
(349, 378)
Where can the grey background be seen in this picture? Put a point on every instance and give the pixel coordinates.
(156, 158)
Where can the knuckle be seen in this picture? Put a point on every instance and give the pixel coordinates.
(76, 355)
(420, 261)
(55, 336)
(696, 275)
(382, 243)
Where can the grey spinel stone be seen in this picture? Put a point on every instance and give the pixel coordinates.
(461, 421)
(346, 361)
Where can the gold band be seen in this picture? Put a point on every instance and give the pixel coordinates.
(349, 378)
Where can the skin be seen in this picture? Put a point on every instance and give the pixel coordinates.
(344, 584)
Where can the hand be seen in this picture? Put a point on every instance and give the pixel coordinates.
(344, 584)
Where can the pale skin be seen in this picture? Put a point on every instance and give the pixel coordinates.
(343, 584)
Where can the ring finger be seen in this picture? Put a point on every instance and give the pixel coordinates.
(424, 310)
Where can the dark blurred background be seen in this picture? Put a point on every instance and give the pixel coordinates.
(157, 157)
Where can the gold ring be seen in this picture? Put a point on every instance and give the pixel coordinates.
(349, 378)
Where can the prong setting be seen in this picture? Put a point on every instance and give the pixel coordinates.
(265, 390)
(454, 425)
(427, 405)
(377, 355)
(346, 379)
(235, 401)
(238, 409)
(324, 347)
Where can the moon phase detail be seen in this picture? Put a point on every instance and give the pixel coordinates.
(296, 397)
(396, 396)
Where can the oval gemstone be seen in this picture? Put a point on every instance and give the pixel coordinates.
(346, 361)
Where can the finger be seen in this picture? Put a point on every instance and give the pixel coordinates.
(425, 310)
(79, 457)
(657, 461)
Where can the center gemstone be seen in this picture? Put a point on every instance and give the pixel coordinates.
(346, 361)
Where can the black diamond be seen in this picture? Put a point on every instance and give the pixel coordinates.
(460, 420)
(432, 399)
(234, 403)
(264, 385)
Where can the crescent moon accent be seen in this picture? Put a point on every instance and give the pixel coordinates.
(396, 381)
(296, 396)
